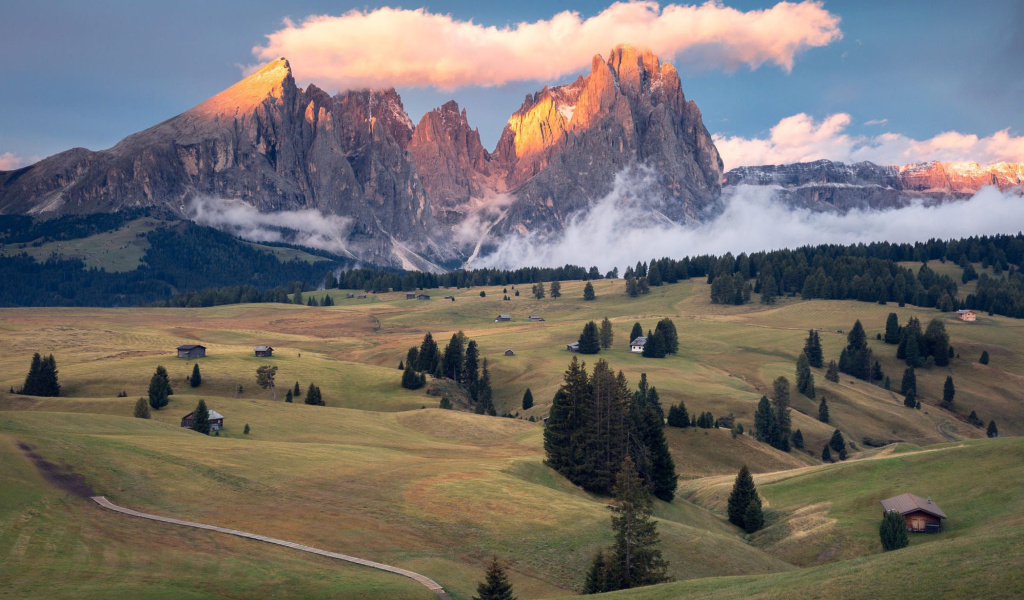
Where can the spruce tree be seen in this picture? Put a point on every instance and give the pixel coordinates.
(655, 346)
(265, 376)
(589, 340)
(892, 329)
(446, 403)
(812, 348)
(798, 440)
(452, 362)
(606, 335)
(48, 377)
(527, 399)
(937, 341)
(910, 400)
(637, 331)
(743, 492)
(588, 291)
(837, 443)
(141, 409)
(485, 403)
(893, 531)
(826, 455)
(984, 357)
(666, 330)
(804, 377)
(832, 373)
(159, 388)
(876, 371)
(410, 380)
(201, 418)
(636, 558)
(246, 430)
(556, 289)
(948, 393)
(428, 359)
(598, 575)
(913, 351)
(909, 381)
(471, 369)
(663, 480)
(314, 397)
(766, 428)
(32, 386)
(295, 391)
(197, 378)
(992, 430)
(823, 411)
(678, 416)
(783, 421)
(538, 290)
(753, 518)
(495, 585)
(288, 396)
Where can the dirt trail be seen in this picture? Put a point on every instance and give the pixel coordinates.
(422, 579)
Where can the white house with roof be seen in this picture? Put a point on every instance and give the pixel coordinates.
(638, 344)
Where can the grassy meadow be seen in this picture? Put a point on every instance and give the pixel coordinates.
(383, 474)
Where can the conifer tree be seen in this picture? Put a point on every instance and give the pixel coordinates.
(992, 430)
(495, 585)
(876, 371)
(556, 289)
(598, 575)
(984, 357)
(606, 335)
(654, 274)
(798, 440)
(246, 429)
(588, 291)
(410, 379)
(766, 428)
(832, 373)
(636, 332)
(662, 480)
(471, 369)
(313, 396)
(538, 290)
(823, 411)
(196, 379)
(743, 492)
(838, 444)
(401, 365)
(141, 409)
(636, 558)
(826, 454)
(295, 391)
(565, 421)
(678, 416)
(201, 418)
(265, 375)
(428, 359)
(804, 377)
(892, 329)
(937, 342)
(589, 340)
(909, 381)
(753, 518)
(948, 393)
(32, 386)
(812, 348)
(913, 339)
(485, 402)
(452, 362)
(288, 397)
(445, 403)
(910, 399)
(783, 422)
(666, 330)
(159, 388)
(893, 531)
(655, 346)
(527, 399)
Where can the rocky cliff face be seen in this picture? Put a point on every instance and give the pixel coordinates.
(828, 185)
(267, 143)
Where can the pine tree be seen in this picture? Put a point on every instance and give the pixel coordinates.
(783, 421)
(837, 443)
(313, 396)
(538, 290)
(823, 411)
(804, 377)
(909, 381)
(910, 399)
(912, 349)
(159, 388)
(606, 335)
(812, 348)
(948, 393)
(265, 375)
(655, 346)
(654, 274)
(598, 575)
(678, 416)
(663, 480)
(495, 585)
(832, 373)
(485, 403)
(636, 559)
(197, 378)
(743, 492)
(527, 399)
(992, 430)
(556, 289)
(893, 531)
(246, 430)
(565, 420)
(666, 330)
(201, 418)
(984, 357)
(589, 340)
(452, 362)
(876, 371)
(288, 396)
(937, 340)
(141, 409)
(588, 291)
(410, 380)
(636, 332)
(753, 518)
(798, 440)
(295, 391)
(446, 403)
(471, 369)
(32, 386)
(892, 329)
(766, 428)
(428, 358)
(826, 454)
(401, 365)
(48, 377)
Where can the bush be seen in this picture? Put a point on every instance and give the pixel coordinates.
(893, 531)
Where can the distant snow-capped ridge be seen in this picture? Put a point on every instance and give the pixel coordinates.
(829, 185)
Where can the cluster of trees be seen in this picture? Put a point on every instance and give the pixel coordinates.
(917, 348)
(459, 362)
(596, 421)
(744, 506)
(835, 444)
(662, 341)
(772, 420)
(634, 559)
(856, 358)
(678, 416)
(42, 377)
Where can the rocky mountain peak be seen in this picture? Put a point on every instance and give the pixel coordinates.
(273, 81)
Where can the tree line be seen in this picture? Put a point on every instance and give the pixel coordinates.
(460, 362)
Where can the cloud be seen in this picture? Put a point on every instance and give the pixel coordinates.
(306, 227)
(752, 220)
(10, 161)
(876, 122)
(416, 48)
(800, 139)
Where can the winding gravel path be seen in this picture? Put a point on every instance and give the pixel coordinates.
(426, 581)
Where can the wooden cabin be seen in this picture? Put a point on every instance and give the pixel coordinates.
(921, 515)
(216, 420)
(573, 347)
(423, 297)
(410, 296)
(638, 344)
(967, 315)
(509, 352)
(191, 351)
(503, 318)
(264, 351)
(536, 318)
(350, 295)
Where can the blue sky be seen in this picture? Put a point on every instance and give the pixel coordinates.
(89, 73)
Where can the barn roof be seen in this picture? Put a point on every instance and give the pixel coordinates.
(640, 341)
(190, 346)
(908, 503)
(213, 414)
(964, 311)
(263, 348)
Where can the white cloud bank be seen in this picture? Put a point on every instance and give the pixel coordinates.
(416, 48)
(800, 139)
(10, 161)
(752, 221)
(308, 227)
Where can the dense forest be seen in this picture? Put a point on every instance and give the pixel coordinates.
(192, 265)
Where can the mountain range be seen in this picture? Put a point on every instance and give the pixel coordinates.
(429, 195)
